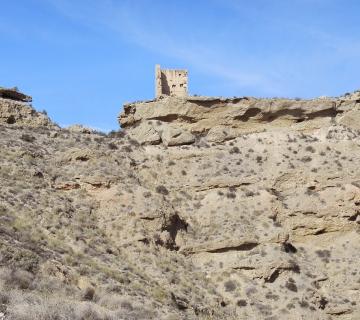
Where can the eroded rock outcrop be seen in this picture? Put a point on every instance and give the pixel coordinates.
(14, 94)
(19, 113)
(222, 119)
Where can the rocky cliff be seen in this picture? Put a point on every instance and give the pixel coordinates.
(201, 208)
(15, 110)
(220, 119)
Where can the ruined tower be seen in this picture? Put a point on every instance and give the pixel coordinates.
(170, 82)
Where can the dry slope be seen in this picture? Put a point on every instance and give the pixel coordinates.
(205, 208)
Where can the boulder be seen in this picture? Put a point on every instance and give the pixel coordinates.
(173, 136)
(351, 119)
(145, 133)
(219, 134)
(80, 129)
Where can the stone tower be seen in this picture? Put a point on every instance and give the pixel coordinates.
(170, 82)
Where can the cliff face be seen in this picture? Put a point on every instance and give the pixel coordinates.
(269, 192)
(221, 119)
(202, 208)
(20, 113)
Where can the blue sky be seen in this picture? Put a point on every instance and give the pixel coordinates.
(82, 59)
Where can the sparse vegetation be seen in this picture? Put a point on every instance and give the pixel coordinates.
(99, 226)
(162, 190)
(27, 138)
(230, 285)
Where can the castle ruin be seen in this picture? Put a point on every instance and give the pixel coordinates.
(170, 82)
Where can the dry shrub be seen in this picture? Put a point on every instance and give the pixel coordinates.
(19, 279)
(29, 307)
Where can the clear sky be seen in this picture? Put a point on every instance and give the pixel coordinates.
(82, 59)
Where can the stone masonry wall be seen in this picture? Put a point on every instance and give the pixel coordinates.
(170, 82)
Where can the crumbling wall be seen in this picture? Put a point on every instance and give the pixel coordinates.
(170, 82)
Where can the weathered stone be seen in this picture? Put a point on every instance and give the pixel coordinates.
(172, 136)
(145, 133)
(200, 114)
(14, 94)
(219, 134)
(351, 119)
(21, 114)
(80, 129)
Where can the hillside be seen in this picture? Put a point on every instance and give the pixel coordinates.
(200, 208)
